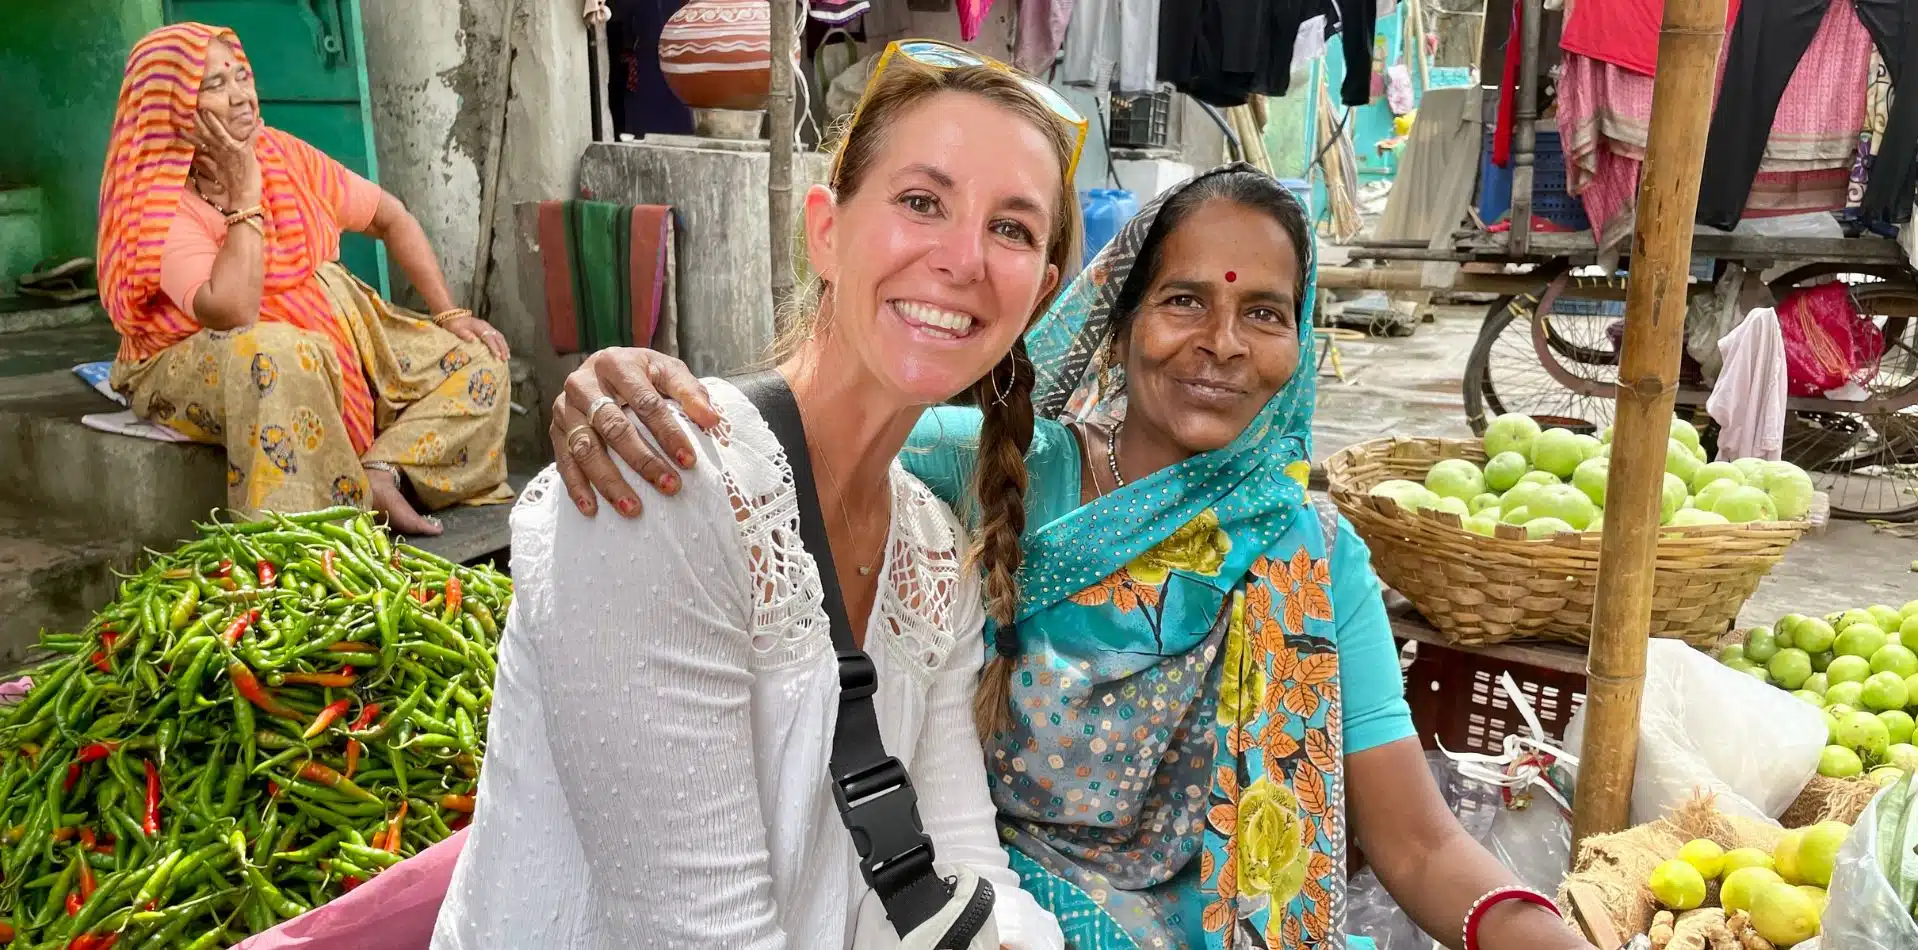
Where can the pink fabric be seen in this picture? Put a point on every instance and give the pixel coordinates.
(1622, 32)
(972, 15)
(15, 690)
(1042, 30)
(1604, 120)
(1748, 400)
(393, 911)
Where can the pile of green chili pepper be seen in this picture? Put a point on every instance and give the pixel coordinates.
(262, 720)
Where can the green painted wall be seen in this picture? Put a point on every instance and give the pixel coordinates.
(62, 61)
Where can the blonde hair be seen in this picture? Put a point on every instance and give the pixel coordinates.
(1003, 395)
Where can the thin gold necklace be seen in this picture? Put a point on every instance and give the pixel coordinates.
(865, 569)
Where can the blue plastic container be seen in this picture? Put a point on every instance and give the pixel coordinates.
(1105, 210)
(1549, 198)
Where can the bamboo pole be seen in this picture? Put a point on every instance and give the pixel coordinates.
(1688, 47)
(779, 168)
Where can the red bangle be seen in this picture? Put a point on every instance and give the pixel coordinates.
(1476, 916)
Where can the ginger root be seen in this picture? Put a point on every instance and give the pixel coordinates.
(1740, 924)
(1661, 933)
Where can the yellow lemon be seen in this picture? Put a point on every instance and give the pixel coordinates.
(1743, 884)
(1747, 858)
(1784, 914)
(1818, 897)
(1785, 856)
(1705, 855)
(1678, 885)
(1818, 852)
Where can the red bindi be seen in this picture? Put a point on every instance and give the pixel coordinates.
(1231, 276)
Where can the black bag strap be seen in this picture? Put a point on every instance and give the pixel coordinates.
(875, 795)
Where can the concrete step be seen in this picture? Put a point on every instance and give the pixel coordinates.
(53, 575)
(114, 485)
(22, 314)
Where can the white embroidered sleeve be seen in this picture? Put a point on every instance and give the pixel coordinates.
(647, 661)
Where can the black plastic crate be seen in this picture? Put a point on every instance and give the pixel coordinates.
(1140, 121)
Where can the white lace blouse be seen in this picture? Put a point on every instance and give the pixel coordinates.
(656, 768)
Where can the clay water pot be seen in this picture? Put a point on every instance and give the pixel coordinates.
(717, 54)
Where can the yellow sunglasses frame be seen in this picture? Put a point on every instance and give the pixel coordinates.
(950, 57)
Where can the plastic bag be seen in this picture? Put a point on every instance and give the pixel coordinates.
(1865, 912)
(1827, 342)
(393, 911)
(1706, 727)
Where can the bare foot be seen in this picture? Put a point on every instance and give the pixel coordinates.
(390, 501)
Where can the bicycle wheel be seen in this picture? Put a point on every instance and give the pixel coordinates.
(1506, 372)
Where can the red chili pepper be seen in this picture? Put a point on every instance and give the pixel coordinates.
(459, 803)
(366, 717)
(100, 662)
(341, 679)
(353, 748)
(73, 902)
(87, 839)
(272, 789)
(352, 646)
(324, 775)
(238, 628)
(349, 882)
(459, 823)
(268, 573)
(326, 565)
(95, 752)
(452, 596)
(87, 883)
(392, 844)
(64, 835)
(73, 777)
(249, 687)
(328, 716)
(225, 569)
(6, 932)
(111, 640)
(152, 824)
(423, 595)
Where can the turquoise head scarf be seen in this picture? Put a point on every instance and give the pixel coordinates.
(1172, 775)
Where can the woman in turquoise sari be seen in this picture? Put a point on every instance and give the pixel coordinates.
(1202, 683)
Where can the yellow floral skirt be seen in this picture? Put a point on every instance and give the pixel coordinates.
(272, 394)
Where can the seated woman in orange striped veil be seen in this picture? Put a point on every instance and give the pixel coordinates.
(219, 263)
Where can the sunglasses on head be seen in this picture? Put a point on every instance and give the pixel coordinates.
(944, 56)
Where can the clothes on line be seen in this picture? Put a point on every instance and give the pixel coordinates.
(1748, 399)
(1772, 46)
(1621, 32)
(1223, 52)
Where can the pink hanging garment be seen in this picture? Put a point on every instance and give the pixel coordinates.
(972, 15)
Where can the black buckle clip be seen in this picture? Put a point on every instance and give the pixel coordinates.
(858, 678)
(881, 810)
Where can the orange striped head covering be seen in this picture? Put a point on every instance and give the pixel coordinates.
(148, 162)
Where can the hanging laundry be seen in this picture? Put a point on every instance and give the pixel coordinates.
(1877, 115)
(1620, 32)
(1042, 30)
(1223, 52)
(1114, 45)
(1748, 400)
(1772, 45)
(972, 15)
(837, 12)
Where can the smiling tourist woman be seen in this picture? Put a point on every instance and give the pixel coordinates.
(1201, 684)
(665, 714)
(219, 263)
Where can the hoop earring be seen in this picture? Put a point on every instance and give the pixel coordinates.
(998, 396)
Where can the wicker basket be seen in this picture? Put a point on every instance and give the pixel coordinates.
(1478, 590)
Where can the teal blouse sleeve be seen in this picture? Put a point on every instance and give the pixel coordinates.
(943, 451)
(1373, 688)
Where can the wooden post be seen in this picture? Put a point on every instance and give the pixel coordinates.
(1688, 47)
(1525, 131)
(779, 168)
